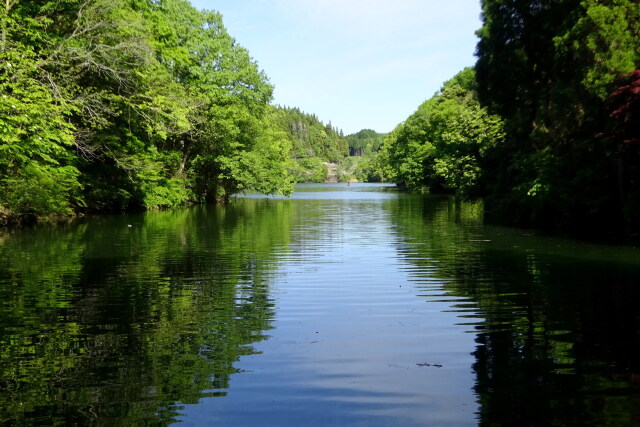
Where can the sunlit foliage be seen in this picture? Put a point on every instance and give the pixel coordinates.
(118, 104)
(442, 145)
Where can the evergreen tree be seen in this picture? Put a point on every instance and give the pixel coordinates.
(548, 68)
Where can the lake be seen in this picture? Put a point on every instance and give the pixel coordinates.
(343, 305)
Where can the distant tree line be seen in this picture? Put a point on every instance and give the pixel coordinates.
(548, 128)
(316, 144)
(313, 144)
(364, 142)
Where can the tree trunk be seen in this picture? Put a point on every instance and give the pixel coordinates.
(621, 186)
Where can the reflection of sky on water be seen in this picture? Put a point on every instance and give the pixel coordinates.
(316, 311)
(350, 330)
(336, 191)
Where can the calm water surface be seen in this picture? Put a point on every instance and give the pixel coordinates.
(344, 305)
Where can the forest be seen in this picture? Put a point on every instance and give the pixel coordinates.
(111, 105)
(141, 104)
(135, 104)
(546, 127)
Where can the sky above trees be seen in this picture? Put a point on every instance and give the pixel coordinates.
(359, 63)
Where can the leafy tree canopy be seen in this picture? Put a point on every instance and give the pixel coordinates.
(442, 146)
(113, 104)
(559, 72)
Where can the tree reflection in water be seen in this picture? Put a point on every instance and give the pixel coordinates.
(557, 322)
(118, 325)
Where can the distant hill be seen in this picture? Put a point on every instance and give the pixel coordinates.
(321, 152)
(364, 141)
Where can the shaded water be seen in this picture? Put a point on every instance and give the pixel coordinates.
(342, 305)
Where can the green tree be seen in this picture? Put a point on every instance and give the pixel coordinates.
(443, 145)
(37, 171)
(364, 142)
(548, 68)
(313, 143)
(122, 104)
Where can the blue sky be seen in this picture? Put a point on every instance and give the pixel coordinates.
(360, 64)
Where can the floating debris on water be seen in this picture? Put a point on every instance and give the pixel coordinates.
(435, 365)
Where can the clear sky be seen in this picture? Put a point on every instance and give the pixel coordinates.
(360, 64)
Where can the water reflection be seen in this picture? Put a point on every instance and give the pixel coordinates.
(556, 322)
(349, 332)
(343, 305)
(121, 320)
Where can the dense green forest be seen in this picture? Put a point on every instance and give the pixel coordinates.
(123, 104)
(363, 164)
(137, 104)
(316, 145)
(365, 142)
(548, 130)
(313, 144)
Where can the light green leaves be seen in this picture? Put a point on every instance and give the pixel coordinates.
(605, 42)
(441, 146)
(129, 104)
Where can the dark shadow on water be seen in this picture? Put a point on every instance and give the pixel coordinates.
(557, 321)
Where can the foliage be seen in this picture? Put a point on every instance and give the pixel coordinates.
(362, 165)
(270, 159)
(364, 142)
(312, 143)
(548, 68)
(110, 105)
(360, 169)
(310, 169)
(313, 138)
(443, 145)
(38, 175)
